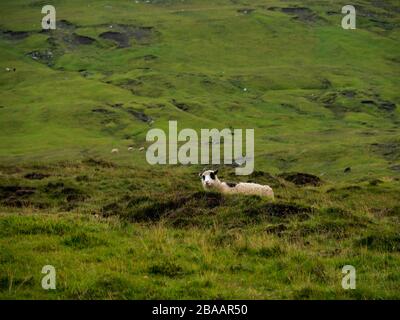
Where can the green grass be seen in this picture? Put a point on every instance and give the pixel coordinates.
(320, 99)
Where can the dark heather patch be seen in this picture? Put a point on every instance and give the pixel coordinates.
(36, 176)
(231, 184)
(301, 179)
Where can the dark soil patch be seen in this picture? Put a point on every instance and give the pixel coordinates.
(59, 191)
(178, 209)
(386, 25)
(111, 209)
(82, 40)
(16, 196)
(389, 150)
(83, 240)
(259, 177)
(149, 57)
(302, 14)
(349, 93)
(386, 5)
(120, 38)
(139, 115)
(395, 167)
(277, 229)
(103, 111)
(166, 268)
(142, 33)
(368, 102)
(98, 163)
(325, 84)
(387, 106)
(65, 24)
(293, 108)
(381, 242)
(301, 179)
(15, 35)
(180, 105)
(351, 188)
(116, 105)
(331, 13)
(19, 191)
(279, 209)
(382, 105)
(46, 56)
(375, 182)
(36, 176)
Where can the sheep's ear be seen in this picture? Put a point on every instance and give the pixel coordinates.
(200, 174)
(215, 171)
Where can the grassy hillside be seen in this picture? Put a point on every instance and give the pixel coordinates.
(324, 103)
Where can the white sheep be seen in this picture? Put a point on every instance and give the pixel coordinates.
(115, 150)
(130, 149)
(210, 181)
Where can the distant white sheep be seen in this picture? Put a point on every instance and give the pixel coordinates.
(210, 181)
(115, 150)
(130, 149)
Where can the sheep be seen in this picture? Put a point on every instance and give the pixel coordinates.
(115, 150)
(210, 181)
(130, 149)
